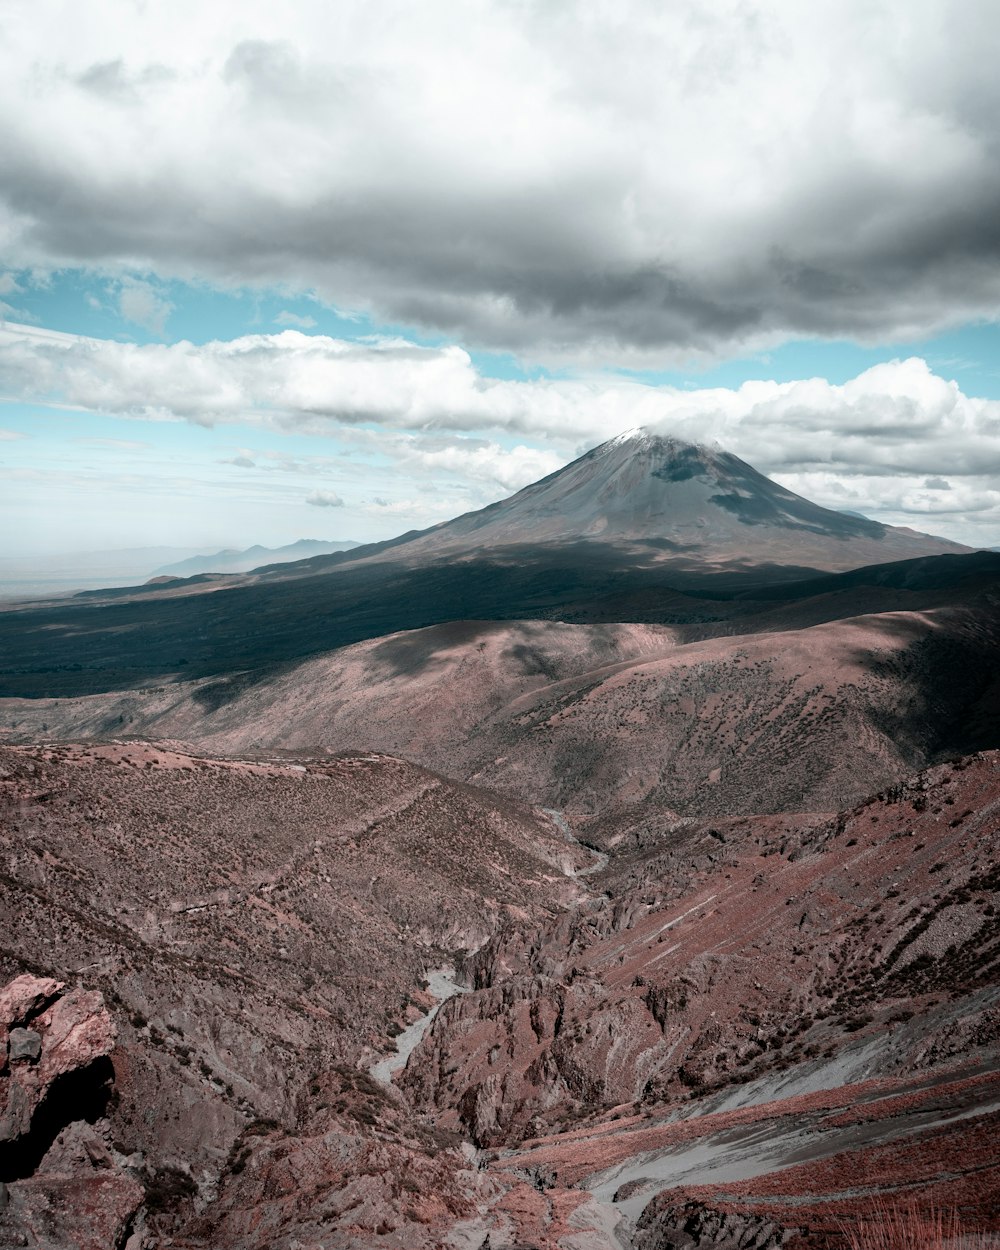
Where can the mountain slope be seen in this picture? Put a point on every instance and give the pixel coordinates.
(805, 1004)
(813, 994)
(605, 719)
(670, 500)
(640, 529)
(256, 927)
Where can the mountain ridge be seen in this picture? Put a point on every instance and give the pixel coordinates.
(591, 543)
(231, 560)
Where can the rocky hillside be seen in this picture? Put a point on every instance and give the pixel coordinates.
(624, 722)
(255, 927)
(732, 949)
(737, 1028)
(808, 1006)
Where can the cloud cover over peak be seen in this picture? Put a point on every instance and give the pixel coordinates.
(898, 441)
(642, 181)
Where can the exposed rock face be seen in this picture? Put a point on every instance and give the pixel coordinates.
(669, 1224)
(63, 1185)
(728, 1022)
(68, 1033)
(728, 950)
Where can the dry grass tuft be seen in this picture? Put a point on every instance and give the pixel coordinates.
(912, 1227)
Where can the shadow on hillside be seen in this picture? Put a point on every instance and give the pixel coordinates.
(945, 683)
(69, 647)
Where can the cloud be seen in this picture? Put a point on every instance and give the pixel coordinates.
(420, 512)
(899, 416)
(115, 82)
(325, 499)
(8, 436)
(561, 180)
(140, 303)
(489, 463)
(881, 443)
(9, 285)
(286, 318)
(120, 444)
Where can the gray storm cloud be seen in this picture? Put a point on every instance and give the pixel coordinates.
(643, 181)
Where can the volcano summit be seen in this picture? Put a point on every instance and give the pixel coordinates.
(641, 528)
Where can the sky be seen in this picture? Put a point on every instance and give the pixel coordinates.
(339, 271)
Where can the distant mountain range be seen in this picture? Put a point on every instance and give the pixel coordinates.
(62, 573)
(231, 561)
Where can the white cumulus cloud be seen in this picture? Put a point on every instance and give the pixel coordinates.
(325, 499)
(881, 443)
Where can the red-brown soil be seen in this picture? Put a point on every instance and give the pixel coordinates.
(598, 720)
(811, 999)
(259, 930)
(845, 964)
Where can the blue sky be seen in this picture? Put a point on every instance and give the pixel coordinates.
(318, 273)
(81, 302)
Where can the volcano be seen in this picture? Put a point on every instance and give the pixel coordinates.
(619, 886)
(662, 498)
(643, 528)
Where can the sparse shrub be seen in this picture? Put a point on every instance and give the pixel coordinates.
(260, 1127)
(168, 1188)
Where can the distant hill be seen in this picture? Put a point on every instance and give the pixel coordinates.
(231, 561)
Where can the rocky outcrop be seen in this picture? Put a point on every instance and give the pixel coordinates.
(61, 1183)
(50, 1036)
(669, 1223)
(736, 951)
